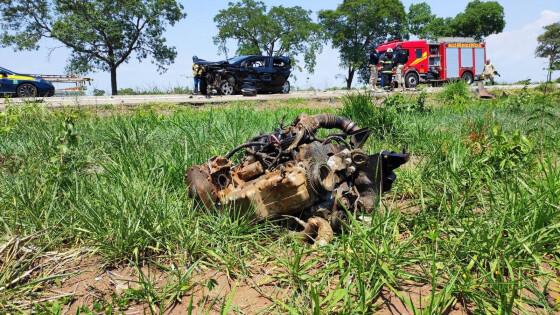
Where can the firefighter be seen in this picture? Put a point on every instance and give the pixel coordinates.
(373, 73)
(400, 61)
(197, 71)
(489, 72)
(387, 68)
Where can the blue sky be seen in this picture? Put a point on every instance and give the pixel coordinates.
(511, 51)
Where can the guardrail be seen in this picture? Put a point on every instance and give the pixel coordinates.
(79, 82)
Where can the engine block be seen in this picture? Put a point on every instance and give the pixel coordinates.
(293, 173)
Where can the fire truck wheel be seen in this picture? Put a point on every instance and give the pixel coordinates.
(411, 80)
(467, 77)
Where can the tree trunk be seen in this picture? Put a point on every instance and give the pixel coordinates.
(350, 77)
(550, 63)
(114, 90)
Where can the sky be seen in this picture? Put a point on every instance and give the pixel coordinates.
(511, 51)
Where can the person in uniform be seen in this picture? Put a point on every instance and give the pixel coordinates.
(401, 59)
(373, 72)
(387, 68)
(197, 71)
(489, 72)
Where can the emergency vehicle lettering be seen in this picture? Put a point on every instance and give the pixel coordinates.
(419, 60)
(464, 45)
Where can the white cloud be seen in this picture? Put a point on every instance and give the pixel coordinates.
(513, 52)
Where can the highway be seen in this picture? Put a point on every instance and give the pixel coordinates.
(199, 100)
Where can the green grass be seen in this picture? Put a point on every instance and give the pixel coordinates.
(475, 217)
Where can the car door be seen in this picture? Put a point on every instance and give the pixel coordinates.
(280, 72)
(257, 70)
(263, 69)
(6, 83)
(249, 73)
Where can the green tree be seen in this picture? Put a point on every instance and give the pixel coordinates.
(279, 31)
(480, 19)
(357, 25)
(419, 17)
(424, 24)
(101, 34)
(439, 27)
(549, 47)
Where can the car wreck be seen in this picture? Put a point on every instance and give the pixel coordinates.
(294, 173)
(246, 74)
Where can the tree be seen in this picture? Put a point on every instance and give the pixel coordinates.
(279, 31)
(419, 17)
(101, 34)
(479, 20)
(357, 25)
(549, 47)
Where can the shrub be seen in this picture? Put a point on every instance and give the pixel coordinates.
(127, 91)
(382, 120)
(547, 87)
(516, 102)
(403, 104)
(456, 93)
(97, 92)
(503, 152)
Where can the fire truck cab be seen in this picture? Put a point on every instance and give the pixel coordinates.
(439, 61)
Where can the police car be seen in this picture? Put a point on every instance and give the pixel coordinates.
(23, 85)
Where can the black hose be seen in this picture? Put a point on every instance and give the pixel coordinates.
(245, 145)
(330, 121)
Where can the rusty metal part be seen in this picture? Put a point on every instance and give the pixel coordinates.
(318, 230)
(292, 172)
(482, 92)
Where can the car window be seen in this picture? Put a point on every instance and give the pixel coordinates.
(280, 63)
(3, 70)
(236, 59)
(256, 63)
(418, 53)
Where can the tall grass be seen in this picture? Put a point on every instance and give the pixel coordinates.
(474, 218)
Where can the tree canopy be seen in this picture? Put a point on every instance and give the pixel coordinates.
(419, 17)
(357, 25)
(101, 34)
(480, 19)
(281, 30)
(549, 47)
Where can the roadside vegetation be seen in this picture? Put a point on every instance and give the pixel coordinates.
(472, 223)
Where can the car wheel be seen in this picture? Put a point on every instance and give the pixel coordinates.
(286, 87)
(411, 80)
(467, 77)
(227, 87)
(26, 90)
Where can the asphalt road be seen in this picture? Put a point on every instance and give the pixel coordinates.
(134, 100)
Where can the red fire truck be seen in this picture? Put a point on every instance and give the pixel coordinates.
(439, 61)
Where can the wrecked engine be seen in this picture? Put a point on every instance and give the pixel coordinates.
(294, 173)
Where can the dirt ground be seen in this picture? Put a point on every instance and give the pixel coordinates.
(208, 290)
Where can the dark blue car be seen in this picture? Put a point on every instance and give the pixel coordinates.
(263, 73)
(22, 85)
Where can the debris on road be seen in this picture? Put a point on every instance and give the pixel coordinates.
(293, 173)
(482, 92)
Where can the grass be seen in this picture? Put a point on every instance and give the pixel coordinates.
(154, 90)
(474, 219)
